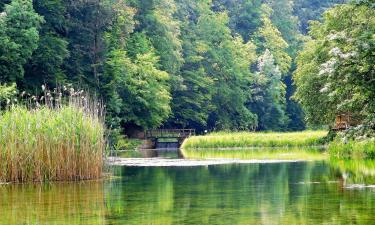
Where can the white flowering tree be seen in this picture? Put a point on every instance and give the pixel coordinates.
(336, 69)
(269, 94)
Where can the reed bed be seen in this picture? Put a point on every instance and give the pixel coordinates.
(52, 142)
(245, 140)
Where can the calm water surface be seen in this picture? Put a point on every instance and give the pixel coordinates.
(281, 193)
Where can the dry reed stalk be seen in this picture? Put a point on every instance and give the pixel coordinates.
(59, 141)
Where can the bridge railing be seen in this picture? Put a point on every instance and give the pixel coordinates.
(170, 133)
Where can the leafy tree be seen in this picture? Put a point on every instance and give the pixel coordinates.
(141, 88)
(222, 60)
(18, 38)
(45, 65)
(137, 90)
(156, 19)
(335, 70)
(269, 37)
(86, 24)
(269, 94)
(244, 15)
(287, 23)
(311, 10)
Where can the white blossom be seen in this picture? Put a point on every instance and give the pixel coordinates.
(335, 51)
(328, 67)
(326, 88)
(337, 36)
(348, 55)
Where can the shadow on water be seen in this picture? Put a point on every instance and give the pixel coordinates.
(280, 193)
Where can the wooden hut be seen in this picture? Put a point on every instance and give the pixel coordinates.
(344, 121)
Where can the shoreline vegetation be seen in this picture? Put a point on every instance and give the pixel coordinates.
(250, 145)
(256, 139)
(291, 145)
(52, 139)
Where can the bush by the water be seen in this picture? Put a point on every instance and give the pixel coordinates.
(248, 140)
(355, 143)
(352, 149)
(51, 143)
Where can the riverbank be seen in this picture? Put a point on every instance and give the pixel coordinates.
(306, 145)
(351, 149)
(245, 140)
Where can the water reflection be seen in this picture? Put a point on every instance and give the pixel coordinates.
(59, 203)
(284, 193)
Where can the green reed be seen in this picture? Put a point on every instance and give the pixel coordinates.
(255, 139)
(52, 142)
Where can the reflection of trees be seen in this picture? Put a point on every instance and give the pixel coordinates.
(237, 194)
(285, 193)
(59, 203)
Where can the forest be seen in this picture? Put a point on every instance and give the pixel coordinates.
(207, 64)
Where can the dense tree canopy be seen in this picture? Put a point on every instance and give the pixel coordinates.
(336, 72)
(209, 64)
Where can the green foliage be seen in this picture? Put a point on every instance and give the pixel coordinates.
(140, 87)
(344, 149)
(45, 65)
(244, 15)
(170, 63)
(249, 140)
(335, 70)
(18, 38)
(269, 95)
(7, 93)
(311, 10)
(269, 37)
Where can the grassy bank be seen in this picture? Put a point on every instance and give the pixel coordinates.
(352, 149)
(50, 144)
(305, 145)
(245, 140)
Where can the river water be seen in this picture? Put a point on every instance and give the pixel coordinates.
(249, 193)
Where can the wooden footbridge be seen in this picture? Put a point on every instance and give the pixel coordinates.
(164, 138)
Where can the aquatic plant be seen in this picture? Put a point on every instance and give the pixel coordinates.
(255, 139)
(52, 141)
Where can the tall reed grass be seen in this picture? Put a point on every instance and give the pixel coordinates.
(251, 139)
(57, 140)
